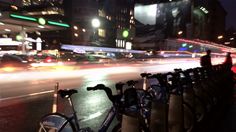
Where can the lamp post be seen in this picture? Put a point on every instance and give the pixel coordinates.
(95, 24)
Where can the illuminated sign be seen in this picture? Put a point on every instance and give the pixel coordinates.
(41, 21)
(23, 17)
(58, 24)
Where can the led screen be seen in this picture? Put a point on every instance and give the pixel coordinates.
(145, 14)
(163, 19)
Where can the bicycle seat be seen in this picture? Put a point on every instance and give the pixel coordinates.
(131, 82)
(145, 74)
(66, 93)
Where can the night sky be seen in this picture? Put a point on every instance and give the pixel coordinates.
(230, 7)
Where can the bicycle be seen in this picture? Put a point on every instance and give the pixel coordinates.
(58, 122)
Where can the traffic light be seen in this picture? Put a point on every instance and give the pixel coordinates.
(125, 33)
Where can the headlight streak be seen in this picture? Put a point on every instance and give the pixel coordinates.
(61, 71)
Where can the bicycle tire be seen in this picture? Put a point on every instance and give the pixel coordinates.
(56, 122)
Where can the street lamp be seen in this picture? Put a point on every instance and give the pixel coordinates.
(95, 24)
(180, 32)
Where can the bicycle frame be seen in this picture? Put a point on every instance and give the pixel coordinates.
(104, 126)
(74, 114)
(107, 121)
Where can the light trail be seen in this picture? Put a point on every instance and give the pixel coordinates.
(152, 65)
(27, 95)
(97, 73)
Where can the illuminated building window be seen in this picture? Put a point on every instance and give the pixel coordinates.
(76, 34)
(131, 12)
(26, 2)
(101, 32)
(123, 43)
(101, 13)
(37, 2)
(118, 43)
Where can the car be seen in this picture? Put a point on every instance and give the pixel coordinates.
(13, 61)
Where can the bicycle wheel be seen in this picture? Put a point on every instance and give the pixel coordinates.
(56, 122)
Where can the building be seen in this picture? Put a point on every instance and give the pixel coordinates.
(21, 19)
(114, 17)
(209, 20)
(51, 10)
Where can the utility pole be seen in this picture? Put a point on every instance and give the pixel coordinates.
(23, 41)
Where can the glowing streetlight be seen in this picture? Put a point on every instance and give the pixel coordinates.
(180, 32)
(95, 23)
(220, 37)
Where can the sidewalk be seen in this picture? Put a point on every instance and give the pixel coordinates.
(224, 119)
(228, 122)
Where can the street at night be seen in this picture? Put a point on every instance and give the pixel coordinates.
(117, 66)
(26, 96)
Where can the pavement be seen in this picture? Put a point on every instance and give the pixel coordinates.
(224, 118)
(228, 122)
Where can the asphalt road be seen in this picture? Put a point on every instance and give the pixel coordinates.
(26, 96)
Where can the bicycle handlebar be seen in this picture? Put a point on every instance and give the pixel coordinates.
(97, 87)
(107, 90)
(145, 74)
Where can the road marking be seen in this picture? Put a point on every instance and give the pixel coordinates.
(27, 95)
(92, 116)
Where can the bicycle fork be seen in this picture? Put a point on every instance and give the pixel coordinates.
(74, 114)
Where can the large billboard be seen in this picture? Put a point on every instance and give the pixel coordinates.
(164, 20)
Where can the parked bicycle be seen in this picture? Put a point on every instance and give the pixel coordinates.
(58, 122)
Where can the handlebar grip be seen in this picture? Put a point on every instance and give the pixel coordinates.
(103, 87)
(97, 87)
(90, 88)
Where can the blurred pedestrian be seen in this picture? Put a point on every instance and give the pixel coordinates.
(205, 60)
(228, 59)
